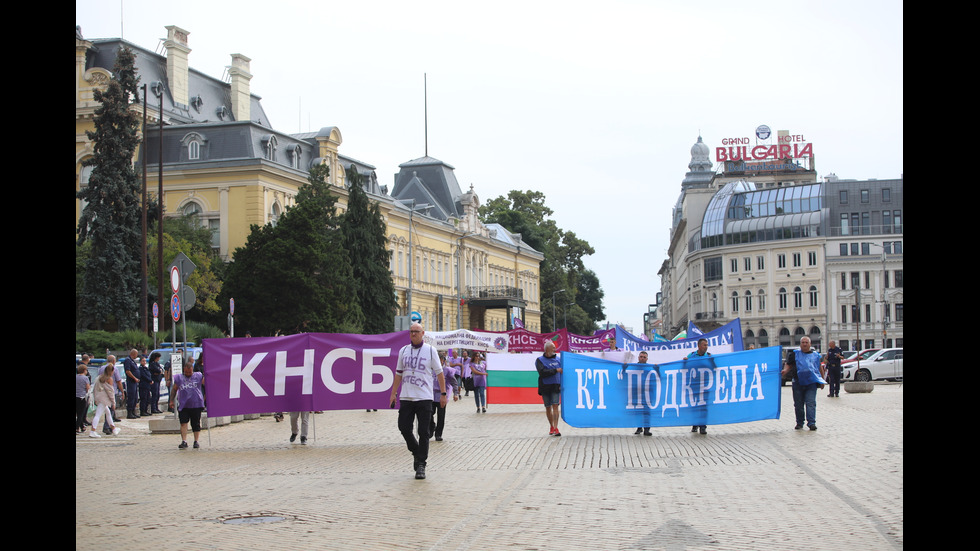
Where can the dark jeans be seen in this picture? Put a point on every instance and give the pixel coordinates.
(438, 422)
(132, 395)
(81, 410)
(409, 413)
(155, 394)
(145, 389)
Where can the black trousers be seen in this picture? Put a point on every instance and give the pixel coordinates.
(409, 413)
(833, 377)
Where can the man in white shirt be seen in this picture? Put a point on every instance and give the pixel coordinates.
(418, 363)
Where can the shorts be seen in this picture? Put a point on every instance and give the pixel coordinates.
(192, 416)
(551, 398)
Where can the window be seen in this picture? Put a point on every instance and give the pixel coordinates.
(712, 269)
(843, 196)
(843, 315)
(194, 150)
(844, 217)
(797, 297)
(811, 258)
(760, 263)
(899, 278)
(886, 221)
(843, 249)
(900, 312)
(865, 248)
(855, 280)
(735, 302)
(747, 261)
(748, 301)
(897, 220)
(781, 260)
(813, 296)
(854, 249)
(797, 260)
(865, 195)
(734, 265)
(886, 194)
(762, 300)
(782, 298)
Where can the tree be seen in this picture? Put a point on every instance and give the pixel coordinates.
(111, 219)
(365, 239)
(525, 212)
(295, 276)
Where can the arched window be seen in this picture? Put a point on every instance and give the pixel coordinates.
(797, 297)
(735, 302)
(782, 298)
(748, 301)
(762, 300)
(813, 296)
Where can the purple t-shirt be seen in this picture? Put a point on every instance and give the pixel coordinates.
(189, 394)
(479, 381)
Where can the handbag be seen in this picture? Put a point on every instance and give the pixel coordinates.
(468, 383)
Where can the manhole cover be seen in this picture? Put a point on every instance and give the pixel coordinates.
(253, 519)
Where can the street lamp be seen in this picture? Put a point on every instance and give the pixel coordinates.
(565, 312)
(553, 322)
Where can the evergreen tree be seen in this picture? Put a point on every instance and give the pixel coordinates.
(111, 219)
(365, 239)
(295, 276)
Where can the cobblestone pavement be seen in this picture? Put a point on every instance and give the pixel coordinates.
(498, 481)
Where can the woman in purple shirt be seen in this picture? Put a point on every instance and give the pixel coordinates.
(478, 366)
(190, 402)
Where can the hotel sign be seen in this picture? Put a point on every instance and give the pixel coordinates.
(787, 146)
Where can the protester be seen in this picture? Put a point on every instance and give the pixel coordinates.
(190, 402)
(478, 366)
(294, 424)
(104, 397)
(82, 389)
(466, 371)
(417, 363)
(549, 385)
(699, 353)
(643, 430)
(120, 392)
(807, 372)
(438, 409)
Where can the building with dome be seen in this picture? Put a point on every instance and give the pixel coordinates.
(223, 161)
(790, 254)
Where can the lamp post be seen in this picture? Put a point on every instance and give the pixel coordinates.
(565, 312)
(553, 322)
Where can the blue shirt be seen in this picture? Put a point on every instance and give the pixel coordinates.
(807, 367)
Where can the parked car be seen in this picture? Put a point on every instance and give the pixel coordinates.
(887, 363)
(865, 354)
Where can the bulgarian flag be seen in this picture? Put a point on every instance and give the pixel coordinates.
(512, 379)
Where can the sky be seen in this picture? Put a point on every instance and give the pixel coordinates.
(596, 105)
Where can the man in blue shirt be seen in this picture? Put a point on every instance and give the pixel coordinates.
(700, 352)
(549, 385)
(808, 375)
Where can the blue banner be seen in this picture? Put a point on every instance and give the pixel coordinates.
(728, 338)
(709, 390)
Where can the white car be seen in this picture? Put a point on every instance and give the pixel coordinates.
(887, 363)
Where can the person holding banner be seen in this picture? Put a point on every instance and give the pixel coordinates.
(190, 402)
(295, 424)
(438, 410)
(642, 360)
(549, 385)
(701, 351)
(808, 375)
(418, 362)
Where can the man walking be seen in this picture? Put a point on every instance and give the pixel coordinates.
(549, 385)
(418, 365)
(804, 366)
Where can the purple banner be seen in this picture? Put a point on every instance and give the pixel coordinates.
(307, 372)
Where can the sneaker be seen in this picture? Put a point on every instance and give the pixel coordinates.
(420, 472)
(556, 432)
(798, 426)
(551, 432)
(196, 445)
(812, 427)
(292, 437)
(647, 432)
(115, 431)
(484, 410)
(302, 440)
(93, 434)
(704, 430)
(639, 430)
(438, 439)
(182, 446)
(694, 428)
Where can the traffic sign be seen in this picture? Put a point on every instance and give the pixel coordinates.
(175, 280)
(175, 308)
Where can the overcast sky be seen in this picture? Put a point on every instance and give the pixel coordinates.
(595, 104)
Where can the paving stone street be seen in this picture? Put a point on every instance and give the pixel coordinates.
(499, 481)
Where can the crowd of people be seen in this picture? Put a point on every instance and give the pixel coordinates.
(424, 377)
(136, 382)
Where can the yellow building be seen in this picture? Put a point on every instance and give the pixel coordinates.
(223, 161)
